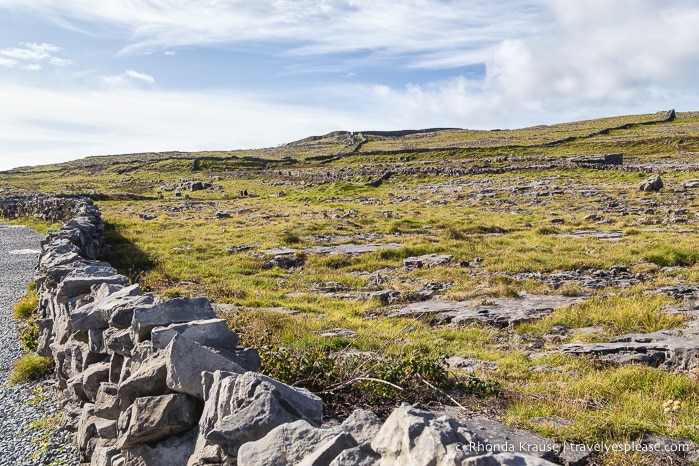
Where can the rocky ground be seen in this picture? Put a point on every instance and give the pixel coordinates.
(27, 409)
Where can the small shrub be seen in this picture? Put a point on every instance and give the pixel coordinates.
(455, 233)
(25, 307)
(31, 287)
(485, 230)
(29, 334)
(290, 238)
(344, 380)
(30, 367)
(336, 262)
(570, 289)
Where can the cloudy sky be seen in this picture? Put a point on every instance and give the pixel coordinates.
(95, 77)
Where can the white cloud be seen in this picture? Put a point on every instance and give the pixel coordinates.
(31, 55)
(593, 58)
(140, 76)
(7, 62)
(127, 78)
(421, 32)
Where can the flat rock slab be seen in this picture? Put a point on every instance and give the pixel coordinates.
(279, 252)
(599, 234)
(352, 249)
(673, 349)
(338, 332)
(502, 438)
(427, 260)
(588, 279)
(499, 312)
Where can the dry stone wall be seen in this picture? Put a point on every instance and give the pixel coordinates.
(146, 381)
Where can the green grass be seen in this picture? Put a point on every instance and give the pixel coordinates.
(617, 314)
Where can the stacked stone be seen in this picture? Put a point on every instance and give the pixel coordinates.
(47, 208)
(152, 382)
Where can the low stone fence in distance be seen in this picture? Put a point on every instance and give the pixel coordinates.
(43, 207)
(152, 382)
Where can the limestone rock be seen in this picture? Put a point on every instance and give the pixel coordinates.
(106, 401)
(93, 377)
(427, 260)
(329, 450)
(212, 332)
(244, 408)
(148, 379)
(81, 279)
(176, 310)
(285, 444)
(363, 425)
(652, 183)
(411, 436)
(118, 341)
(362, 455)
(186, 360)
(173, 451)
(110, 300)
(499, 312)
(153, 418)
(672, 349)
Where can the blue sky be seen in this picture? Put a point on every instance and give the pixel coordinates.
(96, 77)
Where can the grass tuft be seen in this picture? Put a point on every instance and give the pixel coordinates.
(25, 307)
(30, 367)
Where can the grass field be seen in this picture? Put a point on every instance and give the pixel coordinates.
(507, 229)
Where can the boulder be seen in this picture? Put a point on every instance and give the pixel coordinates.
(362, 455)
(118, 341)
(244, 408)
(148, 379)
(91, 428)
(411, 436)
(46, 336)
(296, 441)
(153, 418)
(95, 340)
(112, 305)
(186, 360)
(81, 279)
(211, 332)
(93, 377)
(173, 451)
(103, 456)
(285, 444)
(363, 425)
(107, 402)
(176, 310)
(652, 183)
(329, 450)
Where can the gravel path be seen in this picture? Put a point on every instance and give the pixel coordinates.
(24, 404)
